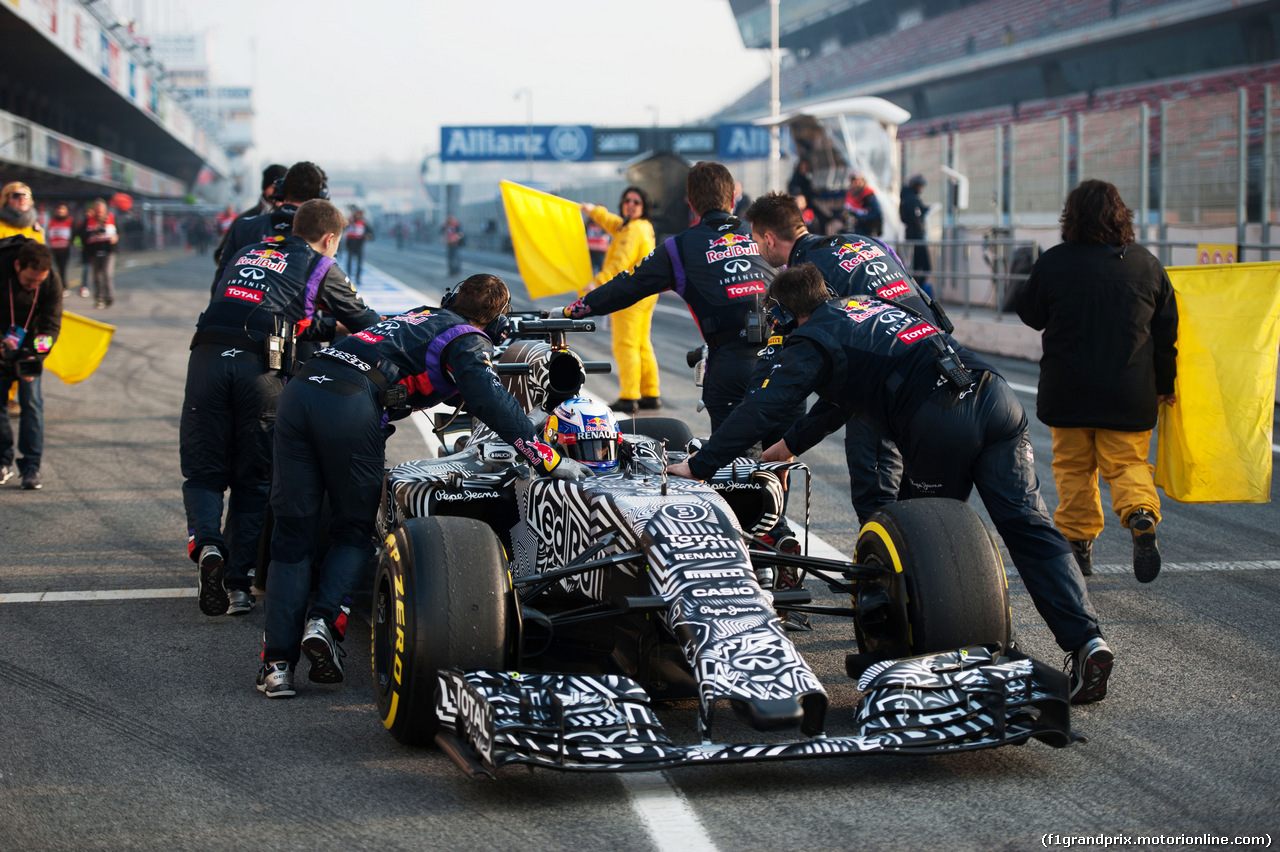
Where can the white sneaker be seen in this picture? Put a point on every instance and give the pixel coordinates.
(275, 680)
(323, 652)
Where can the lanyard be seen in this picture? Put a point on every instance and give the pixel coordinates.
(30, 313)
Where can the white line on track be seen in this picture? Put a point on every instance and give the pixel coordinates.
(99, 595)
(672, 825)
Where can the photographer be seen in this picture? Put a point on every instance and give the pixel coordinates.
(31, 316)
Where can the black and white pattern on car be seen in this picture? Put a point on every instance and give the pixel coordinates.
(958, 701)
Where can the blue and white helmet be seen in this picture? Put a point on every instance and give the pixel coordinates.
(586, 431)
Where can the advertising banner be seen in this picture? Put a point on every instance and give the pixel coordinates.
(566, 143)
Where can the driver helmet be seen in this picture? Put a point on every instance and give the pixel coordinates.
(586, 431)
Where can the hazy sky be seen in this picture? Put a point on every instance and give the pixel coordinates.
(344, 81)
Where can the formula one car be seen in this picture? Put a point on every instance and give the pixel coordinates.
(519, 619)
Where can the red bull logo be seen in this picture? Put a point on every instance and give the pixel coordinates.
(916, 332)
(858, 254)
(233, 292)
(595, 424)
(269, 258)
(730, 246)
(749, 288)
(860, 311)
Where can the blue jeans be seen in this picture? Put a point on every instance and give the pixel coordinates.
(30, 424)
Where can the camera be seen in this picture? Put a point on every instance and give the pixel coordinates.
(26, 367)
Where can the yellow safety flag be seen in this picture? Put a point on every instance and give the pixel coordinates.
(549, 239)
(1214, 444)
(79, 348)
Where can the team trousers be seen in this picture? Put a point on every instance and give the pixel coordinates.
(1079, 456)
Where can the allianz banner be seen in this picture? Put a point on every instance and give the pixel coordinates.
(565, 143)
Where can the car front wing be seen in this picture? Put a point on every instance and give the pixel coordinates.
(956, 701)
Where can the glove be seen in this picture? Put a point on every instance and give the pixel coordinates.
(569, 469)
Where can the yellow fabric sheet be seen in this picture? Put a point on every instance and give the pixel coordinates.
(79, 348)
(549, 238)
(1214, 445)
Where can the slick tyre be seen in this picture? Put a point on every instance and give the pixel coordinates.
(675, 432)
(442, 599)
(947, 587)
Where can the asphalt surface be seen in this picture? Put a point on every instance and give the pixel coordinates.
(134, 724)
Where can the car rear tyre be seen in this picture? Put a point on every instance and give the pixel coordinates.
(948, 588)
(442, 599)
(674, 431)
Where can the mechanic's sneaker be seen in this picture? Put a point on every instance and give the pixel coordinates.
(1088, 668)
(275, 680)
(241, 602)
(84, 292)
(1083, 551)
(324, 653)
(31, 480)
(213, 597)
(1146, 556)
(6, 473)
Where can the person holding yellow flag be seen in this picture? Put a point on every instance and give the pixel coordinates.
(632, 349)
(30, 318)
(1110, 324)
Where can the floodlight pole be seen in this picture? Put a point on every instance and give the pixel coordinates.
(775, 100)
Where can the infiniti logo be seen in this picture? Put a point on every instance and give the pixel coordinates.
(737, 266)
(877, 268)
(252, 272)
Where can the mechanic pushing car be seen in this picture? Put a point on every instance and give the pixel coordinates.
(716, 268)
(241, 353)
(956, 421)
(330, 437)
(851, 266)
(303, 182)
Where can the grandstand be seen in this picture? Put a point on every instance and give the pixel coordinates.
(943, 58)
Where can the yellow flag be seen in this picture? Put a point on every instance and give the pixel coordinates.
(79, 348)
(1214, 444)
(549, 239)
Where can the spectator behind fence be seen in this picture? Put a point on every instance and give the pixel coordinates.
(18, 213)
(1110, 327)
(100, 239)
(912, 210)
(59, 235)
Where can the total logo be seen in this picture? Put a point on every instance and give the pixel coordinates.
(247, 295)
(749, 288)
(893, 291)
(367, 337)
(730, 246)
(916, 332)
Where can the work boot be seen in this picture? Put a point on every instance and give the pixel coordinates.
(1146, 556)
(650, 403)
(626, 406)
(1083, 551)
